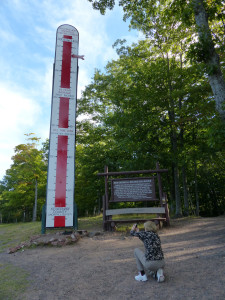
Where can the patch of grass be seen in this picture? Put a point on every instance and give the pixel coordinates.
(13, 281)
(13, 234)
(126, 227)
(90, 223)
(134, 216)
(96, 223)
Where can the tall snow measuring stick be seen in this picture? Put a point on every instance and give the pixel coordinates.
(61, 162)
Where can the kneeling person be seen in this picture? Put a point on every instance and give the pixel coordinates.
(152, 260)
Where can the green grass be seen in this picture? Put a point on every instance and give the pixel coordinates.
(126, 227)
(90, 223)
(134, 216)
(95, 223)
(13, 281)
(13, 234)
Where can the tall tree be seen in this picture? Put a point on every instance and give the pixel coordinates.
(169, 17)
(138, 104)
(20, 182)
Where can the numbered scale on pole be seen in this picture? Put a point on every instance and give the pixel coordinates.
(61, 164)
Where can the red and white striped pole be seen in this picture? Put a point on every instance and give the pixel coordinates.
(61, 163)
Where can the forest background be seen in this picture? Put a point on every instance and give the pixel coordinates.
(161, 101)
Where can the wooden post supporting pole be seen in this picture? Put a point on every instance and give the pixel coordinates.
(75, 220)
(43, 219)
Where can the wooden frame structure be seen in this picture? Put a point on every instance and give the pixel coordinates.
(161, 211)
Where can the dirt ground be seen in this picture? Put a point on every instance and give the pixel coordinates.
(103, 267)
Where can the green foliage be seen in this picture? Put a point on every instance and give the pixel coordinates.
(148, 108)
(102, 5)
(193, 29)
(18, 185)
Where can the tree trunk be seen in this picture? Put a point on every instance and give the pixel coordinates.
(35, 202)
(173, 135)
(176, 174)
(211, 58)
(196, 189)
(172, 192)
(186, 202)
(184, 176)
(177, 192)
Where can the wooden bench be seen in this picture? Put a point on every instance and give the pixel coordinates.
(161, 218)
(120, 193)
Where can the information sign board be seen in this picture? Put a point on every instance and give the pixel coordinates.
(133, 189)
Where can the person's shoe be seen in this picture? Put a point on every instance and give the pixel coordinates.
(140, 277)
(160, 276)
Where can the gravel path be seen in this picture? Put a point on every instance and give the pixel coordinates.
(103, 267)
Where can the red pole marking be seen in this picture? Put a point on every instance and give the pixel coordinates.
(61, 168)
(66, 63)
(64, 112)
(67, 37)
(59, 221)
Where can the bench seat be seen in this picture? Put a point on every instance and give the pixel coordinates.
(135, 210)
(160, 211)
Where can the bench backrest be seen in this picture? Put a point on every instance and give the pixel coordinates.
(135, 210)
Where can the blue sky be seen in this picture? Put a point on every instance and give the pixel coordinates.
(27, 48)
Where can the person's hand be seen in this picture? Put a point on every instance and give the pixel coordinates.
(134, 227)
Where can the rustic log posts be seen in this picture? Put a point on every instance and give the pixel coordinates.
(132, 189)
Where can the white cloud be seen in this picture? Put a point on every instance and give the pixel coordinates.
(16, 110)
(18, 114)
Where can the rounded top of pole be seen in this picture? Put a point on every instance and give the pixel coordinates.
(67, 29)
